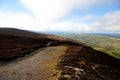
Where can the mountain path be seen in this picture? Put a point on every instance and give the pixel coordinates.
(32, 67)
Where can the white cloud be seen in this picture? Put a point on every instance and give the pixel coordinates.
(48, 10)
(20, 17)
(108, 22)
(64, 26)
(23, 21)
(47, 13)
(52, 10)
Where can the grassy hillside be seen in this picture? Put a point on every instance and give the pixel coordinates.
(110, 45)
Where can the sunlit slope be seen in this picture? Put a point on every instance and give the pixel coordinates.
(110, 45)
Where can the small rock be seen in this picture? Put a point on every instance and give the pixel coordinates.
(76, 76)
(67, 76)
(78, 69)
(69, 67)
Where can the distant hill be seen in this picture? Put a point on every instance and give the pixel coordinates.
(105, 34)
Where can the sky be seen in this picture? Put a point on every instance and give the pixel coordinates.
(61, 15)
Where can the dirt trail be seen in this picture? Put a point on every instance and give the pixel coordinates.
(32, 67)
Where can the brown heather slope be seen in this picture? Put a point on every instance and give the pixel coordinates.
(15, 43)
(62, 59)
(85, 63)
(18, 32)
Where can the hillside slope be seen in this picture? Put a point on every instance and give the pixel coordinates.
(85, 63)
(99, 42)
(15, 43)
(57, 59)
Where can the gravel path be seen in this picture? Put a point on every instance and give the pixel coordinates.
(32, 67)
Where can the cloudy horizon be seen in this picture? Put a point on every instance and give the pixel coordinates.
(61, 15)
